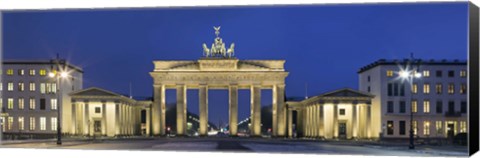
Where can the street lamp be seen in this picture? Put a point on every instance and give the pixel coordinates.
(58, 75)
(409, 75)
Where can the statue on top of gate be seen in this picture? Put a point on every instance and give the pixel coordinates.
(218, 47)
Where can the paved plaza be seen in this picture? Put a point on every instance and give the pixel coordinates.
(247, 145)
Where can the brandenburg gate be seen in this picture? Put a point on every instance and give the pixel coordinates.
(219, 69)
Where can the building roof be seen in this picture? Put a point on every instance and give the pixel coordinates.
(339, 94)
(40, 62)
(94, 92)
(405, 61)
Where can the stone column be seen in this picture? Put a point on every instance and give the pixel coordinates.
(369, 120)
(158, 110)
(181, 110)
(104, 118)
(274, 111)
(281, 110)
(203, 97)
(290, 124)
(233, 109)
(255, 96)
(147, 121)
(335, 120)
(74, 118)
(322, 121)
(86, 118)
(354, 121)
(307, 121)
(117, 119)
(300, 123)
(315, 120)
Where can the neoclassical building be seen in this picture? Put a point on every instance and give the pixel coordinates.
(343, 114)
(103, 113)
(219, 69)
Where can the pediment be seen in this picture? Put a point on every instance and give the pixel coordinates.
(346, 92)
(94, 92)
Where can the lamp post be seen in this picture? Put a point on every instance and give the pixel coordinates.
(58, 75)
(409, 75)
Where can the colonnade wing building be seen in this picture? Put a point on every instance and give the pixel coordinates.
(437, 98)
(340, 114)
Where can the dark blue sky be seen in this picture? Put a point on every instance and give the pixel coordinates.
(323, 45)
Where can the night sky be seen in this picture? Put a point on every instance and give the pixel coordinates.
(323, 45)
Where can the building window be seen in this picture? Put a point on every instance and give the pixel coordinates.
(426, 88)
(451, 73)
(451, 88)
(32, 72)
(53, 104)
(390, 127)
(438, 127)
(21, 103)
(54, 123)
(402, 107)
(426, 73)
(42, 88)
(390, 107)
(51, 88)
(451, 107)
(463, 73)
(42, 104)
(402, 127)
(368, 88)
(463, 88)
(10, 86)
(43, 123)
(414, 127)
(426, 128)
(414, 106)
(395, 89)
(390, 89)
(426, 106)
(368, 78)
(389, 73)
(42, 72)
(98, 110)
(438, 73)
(10, 123)
(32, 86)
(402, 90)
(32, 103)
(21, 87)
(10, 103)
(21, 124)
(414, 88)
(463, 126)
(21, 72)
(463, 107)
(439, 107)
(438, 88)
(10, 72)
(32, 123)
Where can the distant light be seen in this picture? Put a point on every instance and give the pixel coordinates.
(404, 74)
(418, 75)
(51, 74)
(64, 74)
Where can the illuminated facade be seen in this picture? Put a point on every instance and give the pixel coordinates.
(438, 98)
(30, 99)
(103, 113)
(219, 69)
(341, 114)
